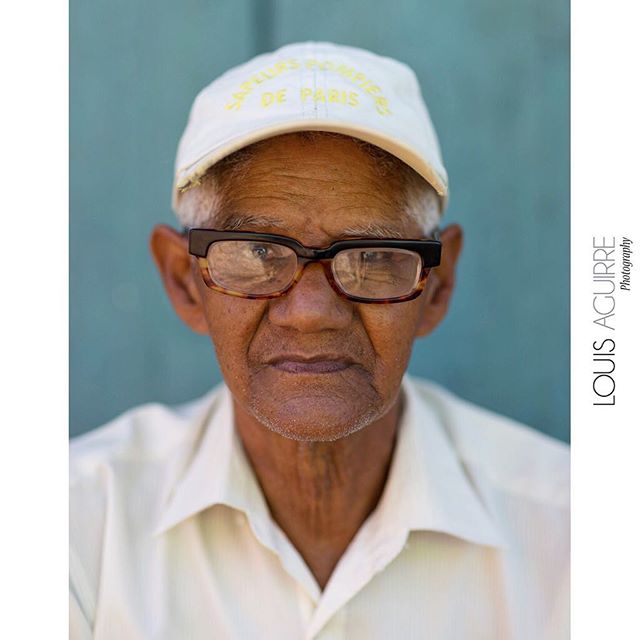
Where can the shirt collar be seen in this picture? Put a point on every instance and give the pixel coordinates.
(219, 472)
(427, 487)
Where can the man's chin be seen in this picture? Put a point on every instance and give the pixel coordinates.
(293, 421)
(313, 406)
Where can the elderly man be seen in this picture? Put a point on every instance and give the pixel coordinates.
(319, 492)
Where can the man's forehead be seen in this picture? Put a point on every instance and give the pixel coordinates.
(313, 151)
(326, 178)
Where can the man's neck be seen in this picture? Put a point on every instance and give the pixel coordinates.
(320, 493)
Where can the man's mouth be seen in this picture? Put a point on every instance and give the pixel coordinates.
(315, 364)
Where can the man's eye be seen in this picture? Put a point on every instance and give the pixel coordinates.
(260, 251)
(375, 256)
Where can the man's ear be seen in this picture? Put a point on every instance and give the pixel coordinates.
(441, 281)
(170, 253)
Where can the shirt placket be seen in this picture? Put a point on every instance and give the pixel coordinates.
(371, 551)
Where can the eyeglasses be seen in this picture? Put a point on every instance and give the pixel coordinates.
(262, 265)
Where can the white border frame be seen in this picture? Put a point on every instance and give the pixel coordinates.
(34, 336)
(605, 439)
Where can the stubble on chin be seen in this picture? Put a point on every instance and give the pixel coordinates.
(308, 415)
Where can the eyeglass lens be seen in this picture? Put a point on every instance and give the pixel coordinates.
(377, 273)
(263, 268)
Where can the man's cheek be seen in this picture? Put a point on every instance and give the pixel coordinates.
(391, 326)
(232, 328)
(223, 313)
(393, 348)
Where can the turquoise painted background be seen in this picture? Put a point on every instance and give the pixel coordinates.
(495, 74)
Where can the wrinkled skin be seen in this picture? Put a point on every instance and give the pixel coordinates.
(320, 443)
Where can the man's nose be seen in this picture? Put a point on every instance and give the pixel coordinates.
(311, 305)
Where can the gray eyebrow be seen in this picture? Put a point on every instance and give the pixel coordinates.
(234, 222)
(372, 230)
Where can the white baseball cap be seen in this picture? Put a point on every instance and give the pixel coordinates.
(311, 86)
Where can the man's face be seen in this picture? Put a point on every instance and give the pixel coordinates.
(312, 365)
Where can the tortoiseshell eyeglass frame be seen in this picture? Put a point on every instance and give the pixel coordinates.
(429, 251)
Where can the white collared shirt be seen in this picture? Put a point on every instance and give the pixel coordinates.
(171, 537)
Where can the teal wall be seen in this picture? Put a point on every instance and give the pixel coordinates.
(495, 74)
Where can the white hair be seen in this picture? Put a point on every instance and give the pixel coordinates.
(199, 205)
